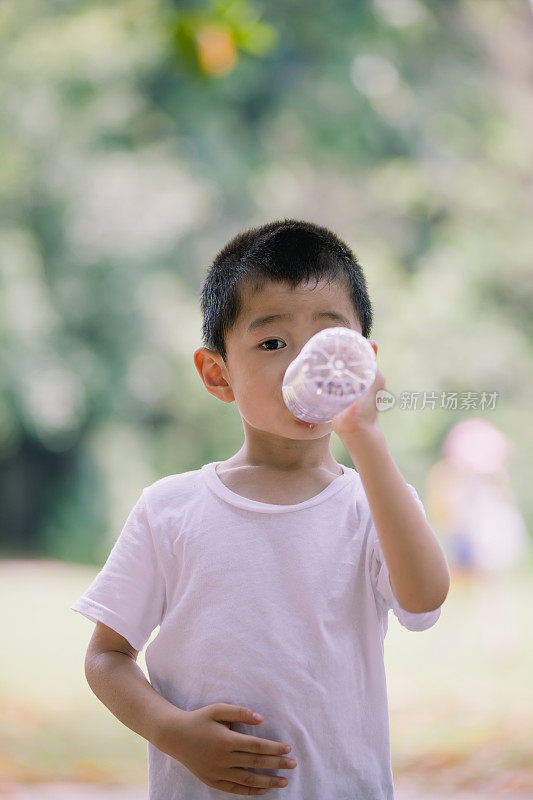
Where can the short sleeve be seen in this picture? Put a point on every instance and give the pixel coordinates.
(383, 590)
(128, 594)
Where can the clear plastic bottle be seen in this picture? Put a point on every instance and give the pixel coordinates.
(333, 369)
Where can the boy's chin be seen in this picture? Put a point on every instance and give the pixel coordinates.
(310, 426)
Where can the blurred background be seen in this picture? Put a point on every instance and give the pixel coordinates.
(137, 137)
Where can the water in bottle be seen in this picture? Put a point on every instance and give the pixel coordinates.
(332, 370)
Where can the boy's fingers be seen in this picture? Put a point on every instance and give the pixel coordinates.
(251, 744)
(229, 713)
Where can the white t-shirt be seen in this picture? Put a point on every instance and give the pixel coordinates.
(279, 608)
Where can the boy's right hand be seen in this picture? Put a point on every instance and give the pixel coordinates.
(203, 742)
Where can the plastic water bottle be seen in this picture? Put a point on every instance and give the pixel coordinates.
(333, 369)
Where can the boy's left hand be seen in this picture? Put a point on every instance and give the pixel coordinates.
(362, 414)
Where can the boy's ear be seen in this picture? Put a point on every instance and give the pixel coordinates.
(374, 345)
(214, 375)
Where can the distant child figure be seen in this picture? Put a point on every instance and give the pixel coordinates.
(473, 507)
(271, 574)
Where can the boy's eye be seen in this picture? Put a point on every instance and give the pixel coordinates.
(271, 348)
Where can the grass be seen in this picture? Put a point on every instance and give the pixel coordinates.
(459, 693)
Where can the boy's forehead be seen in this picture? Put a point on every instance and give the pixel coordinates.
(274, 298)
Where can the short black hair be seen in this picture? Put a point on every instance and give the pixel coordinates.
(286, 251)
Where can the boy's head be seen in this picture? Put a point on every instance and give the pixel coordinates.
(290, 252)
(284, 267)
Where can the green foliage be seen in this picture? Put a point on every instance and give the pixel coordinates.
(236, 21)
(129, 160)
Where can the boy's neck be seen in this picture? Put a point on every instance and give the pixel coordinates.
(290, 463)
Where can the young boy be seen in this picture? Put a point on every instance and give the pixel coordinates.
(270, 574)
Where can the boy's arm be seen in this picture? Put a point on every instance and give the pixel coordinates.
(121, 685)
(416, 562)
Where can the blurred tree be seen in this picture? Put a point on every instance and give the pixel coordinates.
(211, 41)
(137, 137)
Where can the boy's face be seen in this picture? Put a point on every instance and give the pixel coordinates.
(253, 373)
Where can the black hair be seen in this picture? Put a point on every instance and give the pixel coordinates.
(286, 251)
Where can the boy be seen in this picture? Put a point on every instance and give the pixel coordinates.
(271, 574)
